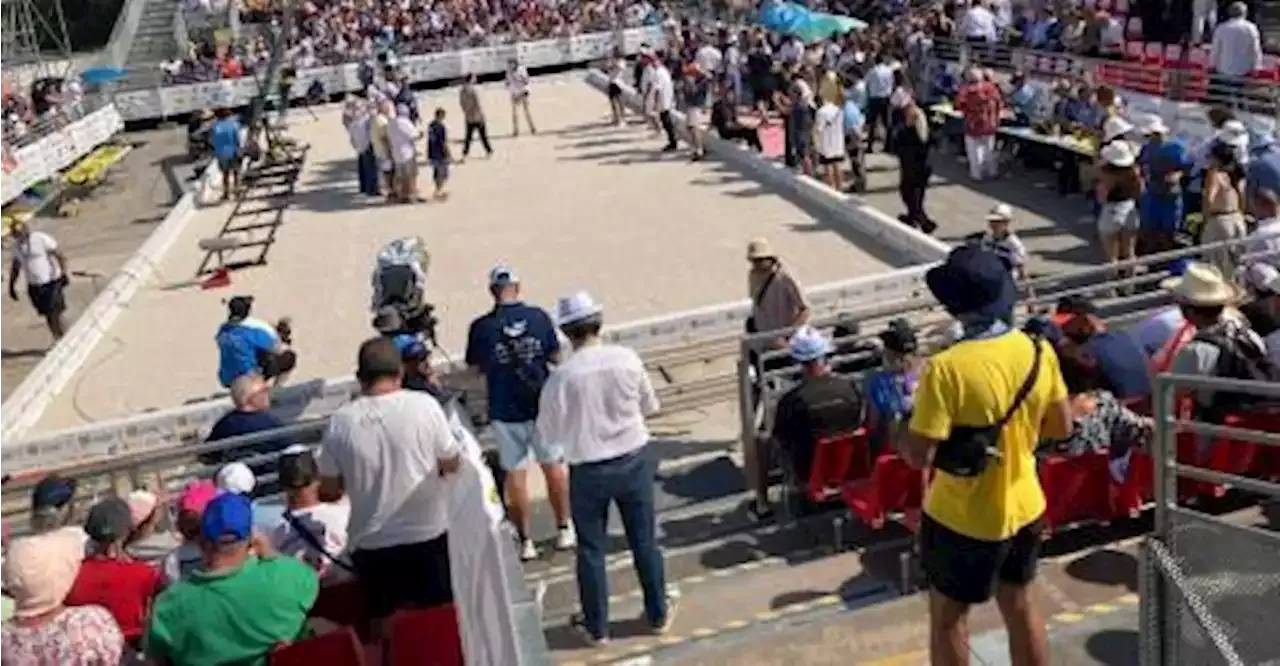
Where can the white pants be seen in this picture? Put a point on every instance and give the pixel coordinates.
(981, 152)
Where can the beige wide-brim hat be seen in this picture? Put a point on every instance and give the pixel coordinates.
(759, 248)
(1119, 154)
(1202, 285)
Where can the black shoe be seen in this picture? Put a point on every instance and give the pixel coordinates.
(928, 226)
(670, 148)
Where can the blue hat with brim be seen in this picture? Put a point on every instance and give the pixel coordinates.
(973, 281)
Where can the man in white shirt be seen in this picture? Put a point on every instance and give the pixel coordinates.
(709, 59)
(37, 257)
(662, 98)
(518, 82)
(879, 88)
(403, 135)
(595, 405)
(1236, 50)
(979, 25)
(388, 451)
(831, 148)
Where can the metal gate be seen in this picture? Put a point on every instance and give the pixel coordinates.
(1210, 586)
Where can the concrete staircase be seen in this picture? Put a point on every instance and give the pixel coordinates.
(152, 44)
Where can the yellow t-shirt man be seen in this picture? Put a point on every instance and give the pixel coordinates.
(973, 383)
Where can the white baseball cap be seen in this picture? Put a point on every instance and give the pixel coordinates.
(576, 307)
(503, 275)
(235, 477)
(1000, 213)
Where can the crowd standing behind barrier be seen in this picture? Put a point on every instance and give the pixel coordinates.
(29, 164)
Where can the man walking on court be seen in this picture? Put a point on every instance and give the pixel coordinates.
(473, 114)
(514, 345)
(518, 81)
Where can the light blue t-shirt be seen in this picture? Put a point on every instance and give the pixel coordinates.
(225, 136)
(239, 345)
(853, 118)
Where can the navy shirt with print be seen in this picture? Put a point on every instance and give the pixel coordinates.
(513, 346)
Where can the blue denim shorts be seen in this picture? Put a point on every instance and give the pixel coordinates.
(517, 440)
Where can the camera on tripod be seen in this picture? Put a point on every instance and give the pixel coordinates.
(399, 290)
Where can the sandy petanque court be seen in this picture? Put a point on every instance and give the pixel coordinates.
(581, 204)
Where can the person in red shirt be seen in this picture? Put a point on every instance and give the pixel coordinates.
(981, 103)
(109, 577)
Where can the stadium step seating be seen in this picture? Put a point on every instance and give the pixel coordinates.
(335, 648)
(425, 637)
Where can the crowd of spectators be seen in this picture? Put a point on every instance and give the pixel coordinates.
(45, 106)
(336, 32)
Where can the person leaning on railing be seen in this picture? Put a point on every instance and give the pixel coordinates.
(980, 409)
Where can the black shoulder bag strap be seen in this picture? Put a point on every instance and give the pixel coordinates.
(315, 544)
(1027, 385)
(757, 299)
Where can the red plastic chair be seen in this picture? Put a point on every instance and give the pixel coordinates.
(1266, 464)
(1077, 489)
(836, 460)
(425, 637)
(892, 487)
(335, 648)
(1138, 490)
(344, 604)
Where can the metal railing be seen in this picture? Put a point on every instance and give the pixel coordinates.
(1209, 587)
(55, 121)
(1172, 76)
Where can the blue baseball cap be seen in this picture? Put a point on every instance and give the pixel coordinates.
(227, 519)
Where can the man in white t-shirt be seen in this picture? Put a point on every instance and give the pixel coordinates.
(518, 82)
(37, 257)
(389, 450)
(403, 135)
(831, 148)
(310, 530)
(662, 100)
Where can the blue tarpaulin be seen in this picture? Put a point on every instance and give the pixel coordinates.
(790, 18)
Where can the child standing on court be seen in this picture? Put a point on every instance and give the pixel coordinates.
(438, 154)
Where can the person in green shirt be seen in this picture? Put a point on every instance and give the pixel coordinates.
(244, 601)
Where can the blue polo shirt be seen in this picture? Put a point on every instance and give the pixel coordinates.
(513, 345)
(437, 142)
(225, 136)
(1263, 171)
(1122, 363)
(239, 346)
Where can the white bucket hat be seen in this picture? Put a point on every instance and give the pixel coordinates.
(1115, 127)
(808, 344)
(1152, 124)
(1000, 213)
(1118, 154)
(576, 307)
(1201, 284)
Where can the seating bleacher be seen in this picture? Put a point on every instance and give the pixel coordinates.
(425, 637)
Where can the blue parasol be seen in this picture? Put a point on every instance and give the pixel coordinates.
(101, 74)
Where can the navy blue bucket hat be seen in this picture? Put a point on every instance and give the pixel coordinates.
(973, 281)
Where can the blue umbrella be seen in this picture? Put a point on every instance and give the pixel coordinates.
(101, 74)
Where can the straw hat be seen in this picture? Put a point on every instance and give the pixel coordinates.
(1118, 154)
(1201, 285)
(759, 248)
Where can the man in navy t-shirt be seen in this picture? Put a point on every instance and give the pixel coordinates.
(514, 346)
(251, 395)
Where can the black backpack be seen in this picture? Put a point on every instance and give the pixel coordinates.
(1241, 358)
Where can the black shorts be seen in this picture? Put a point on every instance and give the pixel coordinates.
(967, 570)
(229, 164)
(275, 364)
(831, 160)
(615, 91)
(412, 575)
(47, 298)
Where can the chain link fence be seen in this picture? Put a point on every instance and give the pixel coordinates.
(1210, 585)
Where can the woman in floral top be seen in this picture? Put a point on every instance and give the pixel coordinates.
(38, 572)
(1101, 422)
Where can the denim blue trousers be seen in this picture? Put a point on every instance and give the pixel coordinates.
(627, 481)
(367, 170)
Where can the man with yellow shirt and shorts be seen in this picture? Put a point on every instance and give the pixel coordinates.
(980, 408)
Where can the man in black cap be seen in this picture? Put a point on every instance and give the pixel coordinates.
(980, 409)
(247, 345)
(51, 503)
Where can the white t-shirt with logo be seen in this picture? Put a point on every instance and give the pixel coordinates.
(387, 449)
(664, 91)
(35, 255)
(830, 123)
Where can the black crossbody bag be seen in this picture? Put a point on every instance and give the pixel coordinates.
(970, 449)
(315, 544)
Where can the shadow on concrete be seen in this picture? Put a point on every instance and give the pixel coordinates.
(1113, 647)
(1106, 567)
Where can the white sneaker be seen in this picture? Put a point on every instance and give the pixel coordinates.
(566, 539)
(528, 551)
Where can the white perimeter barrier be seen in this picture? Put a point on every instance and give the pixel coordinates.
(38, 161)
(25, 405)
(174, 100)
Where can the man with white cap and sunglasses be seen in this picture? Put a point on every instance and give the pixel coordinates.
(595, 405)
(514, 346)
(1164, 161)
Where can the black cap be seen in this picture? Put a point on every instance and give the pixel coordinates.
(109, 521)
(53, 492)
(1076, 304)
(900, 337)
(297, 469)
(238, 307)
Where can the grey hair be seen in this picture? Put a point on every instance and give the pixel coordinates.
(1237, 10)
